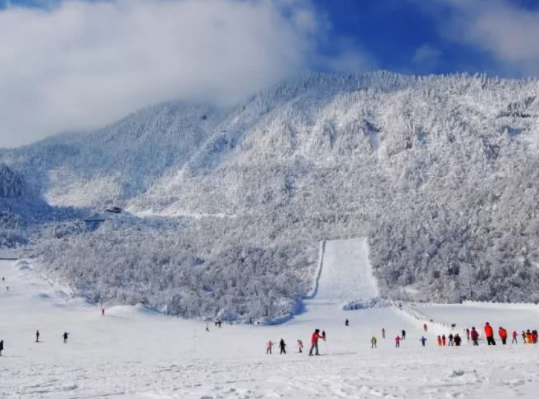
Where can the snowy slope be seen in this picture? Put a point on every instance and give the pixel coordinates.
(132, 353)
(346, 272)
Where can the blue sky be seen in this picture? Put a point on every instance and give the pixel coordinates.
(80, 64)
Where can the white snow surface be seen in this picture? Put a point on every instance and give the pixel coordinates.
(346, 272)
(133, 352)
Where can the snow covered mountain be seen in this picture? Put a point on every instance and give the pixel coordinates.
(438, 171)
(118, 162)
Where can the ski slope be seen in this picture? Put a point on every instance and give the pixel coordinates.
(346, 272)
(135, 353)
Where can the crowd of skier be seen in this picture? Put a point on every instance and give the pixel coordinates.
(528, 337)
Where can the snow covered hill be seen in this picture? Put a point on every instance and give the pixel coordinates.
(116, 163)
(437, 171)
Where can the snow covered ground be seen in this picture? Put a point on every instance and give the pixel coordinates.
(133, 352)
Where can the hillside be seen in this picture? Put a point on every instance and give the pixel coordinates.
(437, 171)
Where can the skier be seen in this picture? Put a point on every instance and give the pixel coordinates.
(383, 333)
(450, 339)
(398, 341)
(282, 346)
(403, 334)
(489, 334)
(1, 347)
(300, 346)
(37, 336)
(443, 340)
(373, 342)
(425, 327)
(467, 334)
(269, 345)
(515, 335)
(475, 336)
(439, 339)
(423, 341)
(65, 337)
(502, 332)
(457, 339)
(314, 342)
(346, 323)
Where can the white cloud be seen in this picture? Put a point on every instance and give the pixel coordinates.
(80, 65)
(426, 57)
(500, 27)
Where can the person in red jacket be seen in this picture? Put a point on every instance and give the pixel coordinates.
(515, 335)
(443, 340)
(474, 335)
(502, 332)
(489, 334)
(314, 342)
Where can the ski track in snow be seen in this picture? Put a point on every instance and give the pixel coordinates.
(133, 353)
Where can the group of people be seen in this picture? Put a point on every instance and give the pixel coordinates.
(316, 336)
(528, 337)
(451, 340)
(65, 336)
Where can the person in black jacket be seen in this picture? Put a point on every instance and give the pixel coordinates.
(282, 345)
(1, 347)
(66, 335)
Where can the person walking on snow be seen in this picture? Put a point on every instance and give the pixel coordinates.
(373, 342)
(423, 341)
(314, 342)
(383, 333)
(37, 336)
(346, 323)
(269, 346)
(324, 335)
(457, 339)
(439, 339)
(467, 334)
(102, 311)
(450, 339)
(403, 334)
(425, 328)
(66, 335)
(282, 346)
(1, 347)
(300, 346)
(502, 332)
(489, 334)
(515, 335)
(475, 336)
(443, 340)
(398, 341)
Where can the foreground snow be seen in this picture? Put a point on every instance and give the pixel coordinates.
(135, 353)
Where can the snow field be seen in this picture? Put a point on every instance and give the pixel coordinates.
(135, 353)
